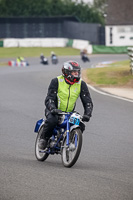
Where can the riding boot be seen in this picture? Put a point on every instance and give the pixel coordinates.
(48, 127)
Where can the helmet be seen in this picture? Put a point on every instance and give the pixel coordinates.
(68, 68)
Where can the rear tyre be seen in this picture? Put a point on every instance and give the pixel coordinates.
(69, 155)
(54, 61)
(40, 155)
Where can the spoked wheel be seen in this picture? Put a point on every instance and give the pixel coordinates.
(70, 154)
(41, 155)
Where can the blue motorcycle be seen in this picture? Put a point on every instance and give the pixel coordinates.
(66, 139)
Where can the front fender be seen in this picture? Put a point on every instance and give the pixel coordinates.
(73, 127)
(38, 125)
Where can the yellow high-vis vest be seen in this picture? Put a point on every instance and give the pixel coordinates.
(67, 94)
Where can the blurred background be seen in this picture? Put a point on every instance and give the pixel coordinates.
(99, 24)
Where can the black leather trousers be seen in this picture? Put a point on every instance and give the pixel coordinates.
(50, 123)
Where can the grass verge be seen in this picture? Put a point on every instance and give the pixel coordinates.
(3, 64)
(112, 75)
(36, 51)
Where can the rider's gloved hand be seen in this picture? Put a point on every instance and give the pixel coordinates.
(85, 118)
(56, 111)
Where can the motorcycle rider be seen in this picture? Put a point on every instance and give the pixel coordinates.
(42, 57)
(84, 56)
(54, 58)
(52, 54)
(20, 59)
(62, 95)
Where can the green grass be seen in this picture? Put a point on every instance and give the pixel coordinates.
(36, 51)
(115, 74)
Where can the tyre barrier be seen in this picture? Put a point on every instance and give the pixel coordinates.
(17, 64)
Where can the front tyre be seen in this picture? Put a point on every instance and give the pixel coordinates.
(70, 154)
(40, 155)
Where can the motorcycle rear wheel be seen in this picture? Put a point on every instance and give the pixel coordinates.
(40, 155)
(54, 61)
(69, 155)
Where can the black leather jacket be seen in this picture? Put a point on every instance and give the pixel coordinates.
(51, 98)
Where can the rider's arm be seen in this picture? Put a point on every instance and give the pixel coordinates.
(51, 98)
(86, 99)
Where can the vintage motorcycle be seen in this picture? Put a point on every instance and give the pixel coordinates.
(66, 139)
(54, 59)
(44, 61)
(85, 58)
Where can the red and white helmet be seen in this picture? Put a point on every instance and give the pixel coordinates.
(68, 68)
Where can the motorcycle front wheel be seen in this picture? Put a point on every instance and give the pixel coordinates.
(40, 155)
(71, 152)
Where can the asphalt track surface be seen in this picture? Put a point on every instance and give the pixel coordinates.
(104, 170)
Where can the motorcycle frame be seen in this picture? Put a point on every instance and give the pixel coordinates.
(67, 129)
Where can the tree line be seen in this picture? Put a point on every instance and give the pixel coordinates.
(49, 8)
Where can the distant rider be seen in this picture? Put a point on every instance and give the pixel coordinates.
(53, 55)
(20, 59)
(42, 57)
(62, 95)
(84, 56)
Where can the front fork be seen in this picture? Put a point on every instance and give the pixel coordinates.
(68, 132)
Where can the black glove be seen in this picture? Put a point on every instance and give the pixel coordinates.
(56, 111)
(85, 118)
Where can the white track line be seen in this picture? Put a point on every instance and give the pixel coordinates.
(108, 94)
